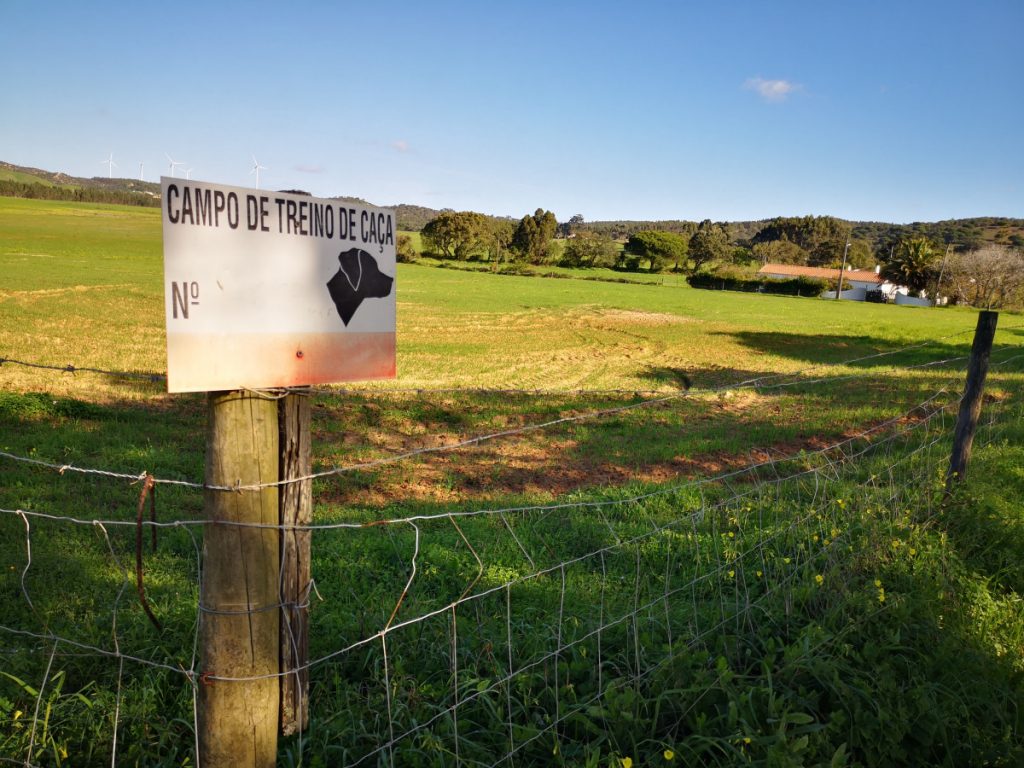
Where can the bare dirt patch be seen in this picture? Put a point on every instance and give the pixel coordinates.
(71, 289)
(635, 317)
(555, 462)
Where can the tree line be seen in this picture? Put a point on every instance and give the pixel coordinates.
(990, 275)
(465, 235)
(969, 261)
(35, 191)
(468, 235)
(963, 234)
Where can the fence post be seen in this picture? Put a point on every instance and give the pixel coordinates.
(970, 405)
(296, 511)
(240, 620)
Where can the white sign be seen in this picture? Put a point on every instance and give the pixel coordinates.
(272, 289)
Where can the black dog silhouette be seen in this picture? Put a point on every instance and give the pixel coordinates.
(358, 277)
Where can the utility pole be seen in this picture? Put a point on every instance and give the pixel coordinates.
(842, 269)
(942, 271)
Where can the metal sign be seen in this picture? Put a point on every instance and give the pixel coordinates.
(273, 289)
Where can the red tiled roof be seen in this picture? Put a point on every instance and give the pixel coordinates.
(792, 270)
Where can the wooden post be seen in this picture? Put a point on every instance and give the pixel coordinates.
(970, 405)
(296, 511)
(239, 595)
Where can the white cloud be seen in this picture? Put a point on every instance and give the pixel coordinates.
(400, 146)
(771, 90)
(310, 168)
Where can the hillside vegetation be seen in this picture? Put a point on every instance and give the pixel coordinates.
(19, 181)
(33, 183)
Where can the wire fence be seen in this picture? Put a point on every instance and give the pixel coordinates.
(768, 383)
(683, 383)
(469, 635)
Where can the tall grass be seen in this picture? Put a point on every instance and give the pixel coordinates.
(827, 608)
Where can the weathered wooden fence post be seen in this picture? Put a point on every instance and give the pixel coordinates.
(239, 595)
(970, 405)
(296, 512)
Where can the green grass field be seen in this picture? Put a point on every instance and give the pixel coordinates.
(97, 269)
(83, 286)
(829, 608)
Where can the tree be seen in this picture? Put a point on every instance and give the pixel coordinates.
(828, 242)
(589, 249)
(572, 226)
(709, 243)
(404, 251)
(438, 234)
(779, 252)
(912, 264)
(823, 237)
(860, 255)
(498, 241)
(991, 277)
(658, 247)
(533, 235)
(455, 235)
(741, 256)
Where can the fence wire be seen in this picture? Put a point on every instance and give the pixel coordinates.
(157, 377)
(787, 381)
(483, 636)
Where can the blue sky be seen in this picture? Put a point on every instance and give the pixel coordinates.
(887, 111)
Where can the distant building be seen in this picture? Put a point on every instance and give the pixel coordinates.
(860, 281)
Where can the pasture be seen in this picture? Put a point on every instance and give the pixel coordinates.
(728, 545)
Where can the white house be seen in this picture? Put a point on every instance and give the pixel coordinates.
(860, 280)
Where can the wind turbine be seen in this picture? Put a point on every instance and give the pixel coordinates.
(188, 174)
(256, 168)
(109, 162)
(174, 163)
(141, 167)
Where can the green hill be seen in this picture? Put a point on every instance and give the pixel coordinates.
(21, 181)
(964, 234)
(26, 175)
(8, 173)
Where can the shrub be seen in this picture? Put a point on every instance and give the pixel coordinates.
(628, 263)
(404, 251)
(734, 280)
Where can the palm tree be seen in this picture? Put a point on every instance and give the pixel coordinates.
(913, 264)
